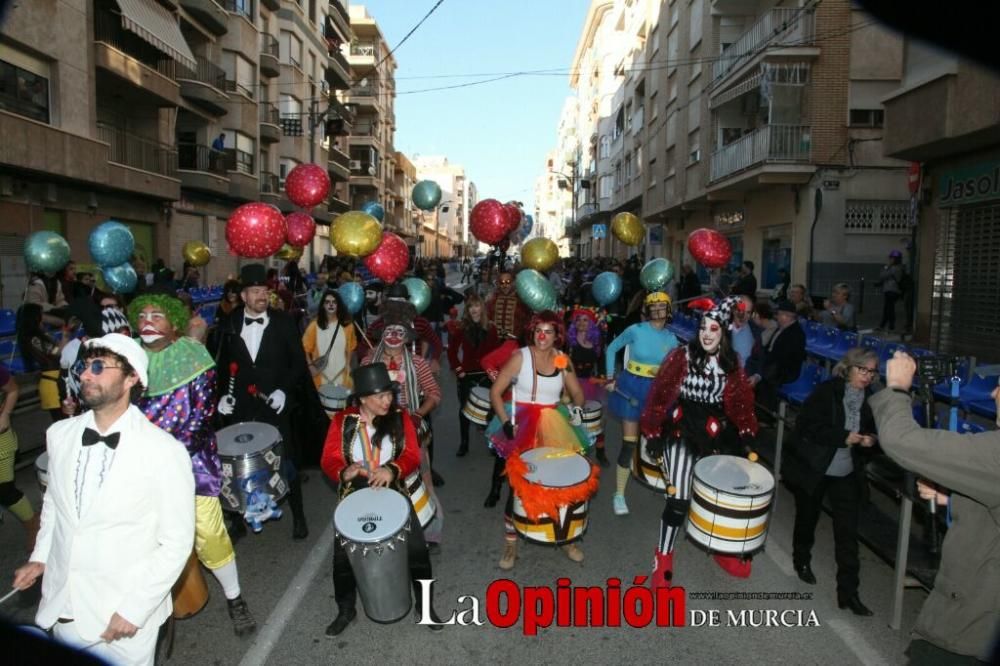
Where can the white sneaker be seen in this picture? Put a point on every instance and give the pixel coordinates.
(621, 508)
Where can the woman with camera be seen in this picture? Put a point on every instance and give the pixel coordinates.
(832, 429)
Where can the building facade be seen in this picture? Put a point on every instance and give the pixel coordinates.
(446, 227)
(404, 218)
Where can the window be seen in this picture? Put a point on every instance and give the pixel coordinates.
(694, 151)
(656, 41)
(290, 106)
(653, 111)
(24, 92)
(867, 117)
(241, 72)
(695, 24)
(605, 147)
(243, 7)
(291, 47)
(604, 186)
(246, 148)
(618, 176)
(628, 167)
(284, 166)
(669, 166)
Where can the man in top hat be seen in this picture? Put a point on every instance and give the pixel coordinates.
(505, 309)
(262, 367)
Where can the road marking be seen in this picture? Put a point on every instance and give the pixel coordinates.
(856, 643)
(267, 638)
(780, 558)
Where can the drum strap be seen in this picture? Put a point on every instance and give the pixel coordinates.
(534, 375)
(372, 453)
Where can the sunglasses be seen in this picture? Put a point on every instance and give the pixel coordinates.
(505, 281)
(96, 367)
(865, 371)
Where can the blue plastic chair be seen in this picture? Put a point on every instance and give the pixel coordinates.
(888, 349)
(984, 408)
(845, 340)
(8, 322)
(824, 342)
(969, 428)
(796, 392)
(977, 389)
(8, 349)
(872, 342)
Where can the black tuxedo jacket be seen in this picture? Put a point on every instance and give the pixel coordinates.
(783, 363)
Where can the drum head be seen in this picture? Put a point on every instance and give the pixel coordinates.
(481, 392)
(556, 468)
(42, 461)
(244, 438)
(734, 475)
(334, 391)
(369, 515)
(592, 406)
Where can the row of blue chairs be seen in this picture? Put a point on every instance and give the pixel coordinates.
(201, 295)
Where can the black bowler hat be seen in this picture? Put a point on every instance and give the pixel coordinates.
(253, 275)
(372, 379)
(398, 290)
(786, 306)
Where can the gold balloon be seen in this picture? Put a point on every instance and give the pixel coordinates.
(356, 234)
(540, 254)
(289, 253)
(196, 253)
(628, 228)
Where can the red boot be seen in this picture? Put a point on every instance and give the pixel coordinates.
(663, 570)
(734, 566)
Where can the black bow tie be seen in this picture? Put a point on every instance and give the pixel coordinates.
(247, 321)
(91, 437)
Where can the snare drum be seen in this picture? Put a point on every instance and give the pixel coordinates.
(647, 471)
(477, 408)
(333, 397)
(730, 505)
(251, 464)
(373, 525)
(593, 411)
(552, 489)
(423, 502)
(42, 470)
(190, 592)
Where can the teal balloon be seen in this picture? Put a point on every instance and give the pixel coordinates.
(120, 279)
(111, 243)
(46, 252)
(374, 209)
(656, 274)
(353, 295)
(606, 288)
(426, 195)
(420, 293)
(527, 225)
(535, 290)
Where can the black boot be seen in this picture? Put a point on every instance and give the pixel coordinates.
(497, 482)
(344, 617)
(602, 459)
(463, 449)
(300, 530)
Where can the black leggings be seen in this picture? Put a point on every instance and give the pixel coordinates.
(889, 310)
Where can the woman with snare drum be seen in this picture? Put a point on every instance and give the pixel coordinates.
(832, 430)
(373, 443)
(473, 339)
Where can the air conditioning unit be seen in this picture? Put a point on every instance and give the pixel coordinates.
(355, 165)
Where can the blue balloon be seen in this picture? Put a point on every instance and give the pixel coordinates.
(656, 274)
(527, 225)
(111, 243)
(606, 288)
(120, 279)
(46, 252)
(420, 293)
(353, 295)
(374, 209)
(426, 195)
(535, 290)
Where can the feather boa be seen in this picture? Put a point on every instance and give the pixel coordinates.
(539, 500)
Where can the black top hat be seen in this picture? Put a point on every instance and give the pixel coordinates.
(253, 275)
(397, 290)
(785, 306)
(372, 379)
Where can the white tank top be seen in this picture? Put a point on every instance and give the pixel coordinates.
(548, 390)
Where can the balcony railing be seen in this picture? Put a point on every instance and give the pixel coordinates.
(780, 26)
(269, 113)
(108, 29)
(198, 157)
(237, 87)
(206, 72)
(770, 143)
(364, 49)
(242, 161)
(138, 152)
(364, 91)
(269, 183)
(242, 7)
(269, 45)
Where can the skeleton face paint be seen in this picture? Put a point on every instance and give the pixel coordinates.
(710, 335)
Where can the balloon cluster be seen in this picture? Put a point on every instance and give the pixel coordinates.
(112, 246)
(502, 225)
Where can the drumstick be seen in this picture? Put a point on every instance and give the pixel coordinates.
(513, 404)
(365, 337)
(9, 595)
(233, 368)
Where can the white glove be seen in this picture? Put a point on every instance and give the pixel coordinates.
(276, 401)
(576, 415)
(227, 405)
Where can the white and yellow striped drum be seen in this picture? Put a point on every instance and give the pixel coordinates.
(593, 412)
(333, 397)
(730, 505)
(422, 501)
(42, 470)
(645, 470)
(477, 407)
(551, 471)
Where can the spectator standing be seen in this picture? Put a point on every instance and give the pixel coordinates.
(746, 283)
(890, 280)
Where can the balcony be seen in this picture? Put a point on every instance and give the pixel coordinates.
(340, 112)
(138, 152)
(338, 164)
(209, 13)
(204, 85)
(242, 8)
(202, 168)
(132, 60)
(341, 18)
(338, 71)
(239, 88)
(363, 53)
(363, 174)
(784, 147)
(243, 185)
(365, 97)
(270, 65)
(270, 122)
(777, 28)
(338, 206)
(270, 188)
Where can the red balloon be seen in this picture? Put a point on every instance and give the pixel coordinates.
(301, 228)
(709, 248)
(307, 185)
(489, 221)
(390, 259)
(256, 230)
(514, 216)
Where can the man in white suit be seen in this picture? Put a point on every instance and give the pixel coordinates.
(118, 516)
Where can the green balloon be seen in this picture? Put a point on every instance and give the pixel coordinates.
(420, 293)
(656, 274)
(426, 195)
(535, 290)
(46, 252)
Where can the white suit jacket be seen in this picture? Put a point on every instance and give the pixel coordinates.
(126, 551)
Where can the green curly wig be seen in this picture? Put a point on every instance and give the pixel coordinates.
(177, 313)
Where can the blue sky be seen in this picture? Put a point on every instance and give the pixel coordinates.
(500, 131)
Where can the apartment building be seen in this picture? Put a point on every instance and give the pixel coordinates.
(943, 116)
(553, 205)
(444, 228)
(404, 218)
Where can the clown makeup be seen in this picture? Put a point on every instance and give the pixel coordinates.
(155, 328)
(394, 336)
(710, 335)
(545, 336)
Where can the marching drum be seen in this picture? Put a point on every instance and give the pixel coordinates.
(251, 465)
(730, 505)
(372, 525)
(42, 470)
(592, 421)
(647, 471)
(423, 502)
(333, 397)
(551, 473)
(477, 408)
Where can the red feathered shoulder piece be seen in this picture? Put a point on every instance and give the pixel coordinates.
(738, 403)
(664, 392)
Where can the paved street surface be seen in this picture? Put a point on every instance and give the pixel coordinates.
(289, 589)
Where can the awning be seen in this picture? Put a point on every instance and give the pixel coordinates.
(157, 26)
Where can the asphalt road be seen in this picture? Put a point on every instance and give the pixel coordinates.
(288, 586)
